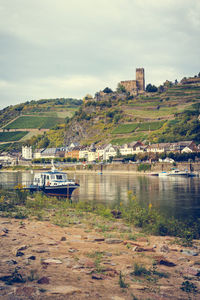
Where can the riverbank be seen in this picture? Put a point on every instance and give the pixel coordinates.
(116, 168)
(41, 260)
(57, 250)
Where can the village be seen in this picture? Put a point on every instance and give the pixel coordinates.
(105, 153)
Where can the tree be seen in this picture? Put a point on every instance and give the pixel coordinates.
(107, 90)
(151, 88)
(121, 88)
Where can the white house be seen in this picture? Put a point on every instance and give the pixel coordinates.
(27, 152)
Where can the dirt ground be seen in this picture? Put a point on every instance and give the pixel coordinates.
(39, 260)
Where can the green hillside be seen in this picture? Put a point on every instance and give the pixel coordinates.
(118, 117)
(12, 136)
(31, 122)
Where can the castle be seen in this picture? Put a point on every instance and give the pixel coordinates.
(137, 86)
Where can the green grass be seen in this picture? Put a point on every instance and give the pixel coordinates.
(34, 122)
(150, 126)
(125, 128)
(122, 141)
(12, 136)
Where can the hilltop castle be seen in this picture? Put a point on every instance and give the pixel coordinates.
(137, 86)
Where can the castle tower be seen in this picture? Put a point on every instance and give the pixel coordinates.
(140, 79)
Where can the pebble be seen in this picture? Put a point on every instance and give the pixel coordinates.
(113, 241)
(189, 252)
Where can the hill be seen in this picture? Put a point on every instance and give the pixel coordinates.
(119, 117)
(32, 118)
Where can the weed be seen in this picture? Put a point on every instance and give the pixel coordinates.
(15, 277)
(122, 283)
(188, 287)
(33, 275)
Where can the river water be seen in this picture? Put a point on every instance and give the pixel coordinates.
(174, 196)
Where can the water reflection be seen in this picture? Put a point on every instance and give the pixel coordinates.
(175, 196)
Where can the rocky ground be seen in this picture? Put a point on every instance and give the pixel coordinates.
(39, 260)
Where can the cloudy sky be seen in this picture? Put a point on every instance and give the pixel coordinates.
(68, 48)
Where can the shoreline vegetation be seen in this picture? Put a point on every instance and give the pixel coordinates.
(20, 204)
(134, 251)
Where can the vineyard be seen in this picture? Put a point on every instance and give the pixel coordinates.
(31, 122)
(12, 136)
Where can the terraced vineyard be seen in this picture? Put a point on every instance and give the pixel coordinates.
(31, 122)
(12, 136)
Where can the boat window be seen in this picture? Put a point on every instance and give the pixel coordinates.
(58, 176)
(47, 176)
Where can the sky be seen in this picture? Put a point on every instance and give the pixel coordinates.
(65, 48)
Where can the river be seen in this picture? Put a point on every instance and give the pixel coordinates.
(173, 196)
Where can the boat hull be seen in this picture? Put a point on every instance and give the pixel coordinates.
(57, 191)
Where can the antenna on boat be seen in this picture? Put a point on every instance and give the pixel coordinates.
(53, 169)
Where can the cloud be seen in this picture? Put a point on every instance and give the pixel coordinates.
(83, 46)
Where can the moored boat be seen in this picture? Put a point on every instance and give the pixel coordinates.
(53, 183)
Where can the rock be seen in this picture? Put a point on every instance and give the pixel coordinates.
(43, 280)
(11, 262)
(19, 253)
(64, 289)
(69, 262)
(41, 250)
(87, 263)
(113, 241)
(99, 239)
(117, 298)
(108, 254)
(71, 250)
(192, 271)
(32, 257)
(166, 263)
(189, 252)
(63, 239)
(116, 213)
(26, 291)
(138, 287)
(16, 251)
(140, 249)
(98, 276)
(164, 248)
(5, 230)
(52, 261)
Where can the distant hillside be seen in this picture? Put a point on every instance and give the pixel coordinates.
(57, 108)
(33, 116)
(118, 117)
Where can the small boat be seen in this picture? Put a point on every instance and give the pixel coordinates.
(176, 172)
(53, 183)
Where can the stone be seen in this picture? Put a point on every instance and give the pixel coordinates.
(71, 250)
(189, 252)
(87, 263)
(164, 248)
(141, 249)
(192, 271)
(64, 289)
(117, 298)
(52, 261)
(98, 276)
(19, 253)
(108, 254)
(41, 251)
(166, 263)
(32, 257)
(43, 280)
(63, 239)
(113, 241)
(11, 262)
(99, 239)
(26, 291)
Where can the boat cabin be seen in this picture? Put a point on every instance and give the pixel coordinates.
(50, 179)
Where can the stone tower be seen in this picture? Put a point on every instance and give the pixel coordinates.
(140, 79)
